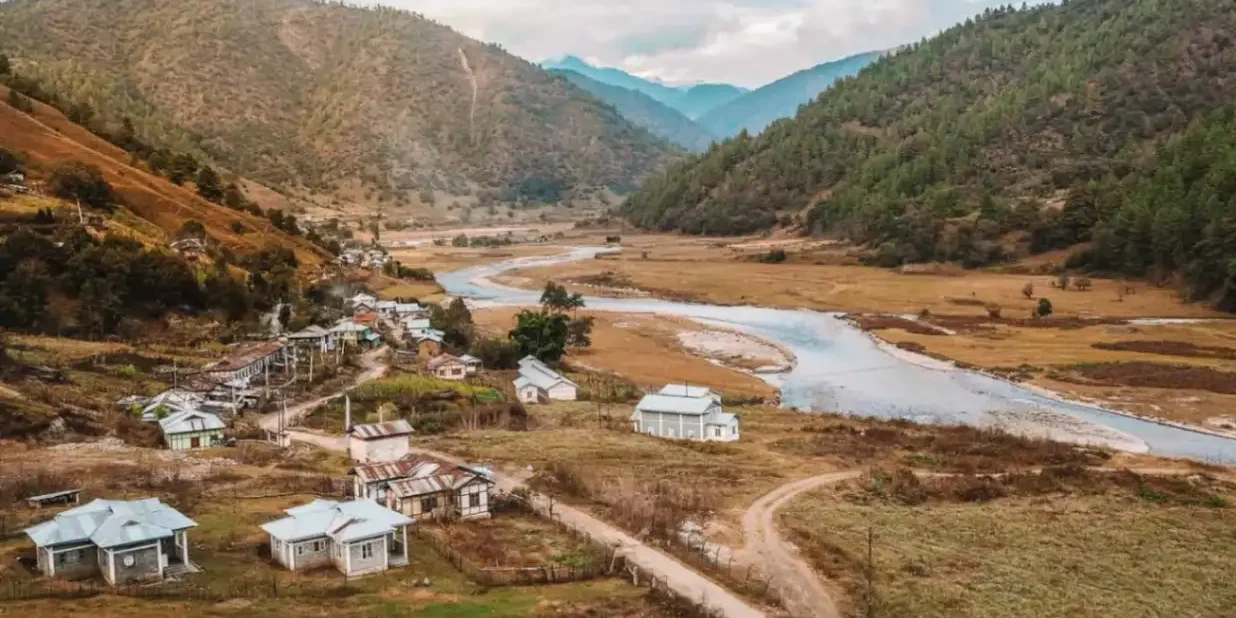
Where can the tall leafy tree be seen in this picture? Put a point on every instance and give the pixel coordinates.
(208, 185)
(541, 334)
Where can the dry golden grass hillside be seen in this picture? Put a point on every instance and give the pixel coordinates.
(300, 93)
(46, 138)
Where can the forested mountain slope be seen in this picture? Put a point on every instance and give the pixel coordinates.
(300, 93)
(1023, 130)
(645, 111)
(757, 109)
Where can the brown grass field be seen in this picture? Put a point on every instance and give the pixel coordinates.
(1058, 359)
(721, 271)
(643, 349)
(229, 546)
(1064, 555)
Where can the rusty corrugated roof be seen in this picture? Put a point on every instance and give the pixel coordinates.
(382, 430)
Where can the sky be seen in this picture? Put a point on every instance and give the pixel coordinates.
(743, 42)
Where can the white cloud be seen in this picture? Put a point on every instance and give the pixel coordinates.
(745, 42)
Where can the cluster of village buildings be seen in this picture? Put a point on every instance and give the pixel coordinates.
(391, 487)
(369, 257)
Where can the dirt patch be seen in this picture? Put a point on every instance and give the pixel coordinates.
(1169, 348)
(1149, 375)
(883, 322)
(514, 538)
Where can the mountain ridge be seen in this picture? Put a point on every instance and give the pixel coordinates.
(691, 101)
(756, 109)
(645, 111)
(305, 94)
(1018, 132)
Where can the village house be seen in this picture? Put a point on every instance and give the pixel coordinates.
(415, 325)
(425, 487)
(387, 441)
(537, 382)
(246, 362)
(386, 308)
(359, 537)
(367, 319)
(679, 411)
(349, 333)
(189, 248)
(124, 540)
(313, 338)
(429, 344)
(408, 309)
(191, 429)
(447, 367)
(472, 363)
(361, 298)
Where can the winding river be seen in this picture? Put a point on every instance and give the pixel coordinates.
(840, 368)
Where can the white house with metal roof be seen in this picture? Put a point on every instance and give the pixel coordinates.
(679, 411)
(425, 487)
(191, 429)
(124, 540)
(536, 382)
(359, 537)
(387, 441)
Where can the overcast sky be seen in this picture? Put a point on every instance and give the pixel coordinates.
(744, 42)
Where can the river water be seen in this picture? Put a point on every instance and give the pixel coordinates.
(839, 368)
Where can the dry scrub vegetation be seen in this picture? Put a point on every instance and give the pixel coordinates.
(1064, 542)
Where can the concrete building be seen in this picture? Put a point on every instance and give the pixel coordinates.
(684, 412)
(380, 441)
(359, 537)
(124, 540)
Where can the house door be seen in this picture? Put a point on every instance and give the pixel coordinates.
(195, 442)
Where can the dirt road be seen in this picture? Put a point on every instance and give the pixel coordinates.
(375, 367)
(799, 587)
(650, 562)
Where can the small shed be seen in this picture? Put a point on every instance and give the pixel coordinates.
(380, 441)
(191, 429)
(66, 496)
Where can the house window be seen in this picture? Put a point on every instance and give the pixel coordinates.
(717, 432)
(128, 561)
(300, 549)
(429, 505)
(367, 550)
(469, 501)
(317, 546)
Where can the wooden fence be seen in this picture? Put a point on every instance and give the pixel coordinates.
(26, 589)
(517, 576)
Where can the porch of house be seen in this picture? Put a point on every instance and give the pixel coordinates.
(175, 550)
(397, 548)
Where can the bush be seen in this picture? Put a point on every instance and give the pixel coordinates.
(82, 182)
(776, 256)
(1044, 309)
(994, 310)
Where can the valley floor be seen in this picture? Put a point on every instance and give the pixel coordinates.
(1144, 351)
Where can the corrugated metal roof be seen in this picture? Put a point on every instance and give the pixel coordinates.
(348, 326)
(419, 475)
(675, 405)
(374, 472)
(109, 523)
(431, 335)
(469, 359)
(382, 430)
(341, 521)
(310, 332)
(540, 376)
(684, 390)
(443, 359)
(190, 421)
(246, 355)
